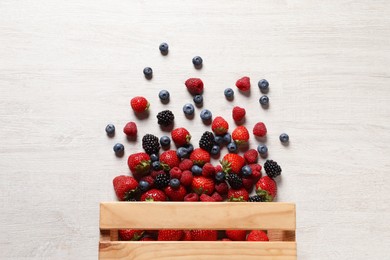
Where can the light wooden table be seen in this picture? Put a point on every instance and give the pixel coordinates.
(67, 68)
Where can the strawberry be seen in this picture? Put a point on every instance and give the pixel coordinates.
(130, 234)
(125, 187)
(240, 135)
(169, 235)
(236, 235)
(266, 187)
(153, 195)
(130, 129)
(251, 156)
(257, 235)
(186, 178)
(243, 84)
(216, 196)
(238, 113)
(186, 235)
(204, 235)
(191, 197)
(238, 195)
(206, 198)
(200, 156)
(208, 170)
(169, 158)
(139, 104)
(232, 163)
(259, 129)
(247, 183)
(175, 194)
(219, 126)
(194, 86)
(186, 164)
(175, 173)
(180, 136)
(139, 163)
(201, 184)
(222, 188)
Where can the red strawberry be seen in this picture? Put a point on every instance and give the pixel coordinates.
(266, 187)
(175, 173)
(154, 195)
(257, 235)
(216, 196)
(240, 135)
(208, 170)
(186, 178)
(130, 129)
(175, 194)
(204, 235)
(232, 163)
(236, 235)
(194, 86)
(170, 159)
(186, 164)
(202, 184)
(219, 126)
(169, 235)
(130, 234)
(125, 187)
(186, 235)
(139, 163)
(238, 113)
(200, 156)
(139, 104)
(180, 136)
(259, 129)
(238, 195)
(247, 183)
(206, 198)
(251, 156)
(243, 84)
(222, 188)
(191, 197)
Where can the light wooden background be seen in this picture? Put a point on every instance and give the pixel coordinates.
(67, 68)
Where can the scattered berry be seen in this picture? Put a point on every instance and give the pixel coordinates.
(196, 170)
(154, 157)
(262, 149)
(272, 168)
(180, 136)
(174, 183)
(139, 104)
(194, 86)
(284, 138)
(197, 61)
(163, 95)
(257, 235)
(125, 187)
(198, 99)
(169, 159)
(243, 84)
(236, 235)
(185, 164)
(263, 85)
(221, 187)
(238, 113)
(130, 234)
(259, 129)
(156, 165)
(150, 144)
(200, 156)
(248, 183)
(232, 163)
(201, 184)
(220, 176)
(229, 93)
(175, 194)
(191, 197)
(206, 142)
(251, 156)
(206, 115)
(208, 170)
(206, 198)
(165, 118)
(148, 72)
(143, 185)
(154, 195)
(165, 141)
(188, 109)
(240, 135)
(227, 138)
(215, 150)
(219, 126)
(186, 178)
(237, 195)
(118, 149)
(182, 152)
(246, 171)
(175, 173)
(264, 100)
(266, 187)
(162, 180)
(217, 197)
(256, 198)
(130, 129)
(218, 140)
(169, 235)
(234, 181)
(163, 48)
(204, 235)
(232, 147)
(110, 129)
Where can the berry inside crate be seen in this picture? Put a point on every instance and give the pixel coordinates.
(277, 218)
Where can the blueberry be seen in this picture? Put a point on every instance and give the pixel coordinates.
(264, 100)
(198, 99)
(227, 138)
(174, 183)
(148, 72)
(205, 114)
(154, 157)
(188, 109)
(143, 185)
(163, 95)
(232, 147)
(197, 61)
(263, 85)
(262, 149)
(218, 139)
(190, 148)
(284, 138)
(118, 148)
(182, 152)
(220, 176)
(196, 170)
(229, 93)
(163, 48)
(215, 150)
(246, 171)
(165, 141)
(156, 165)
(110, 129)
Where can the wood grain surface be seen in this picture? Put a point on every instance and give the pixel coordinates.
(67, 68)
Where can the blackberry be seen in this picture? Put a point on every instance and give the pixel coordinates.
(162, 180)
(206, 142)
(234, 181)
(272, 168)
(151, 144)
(256, 198)
(165, 118)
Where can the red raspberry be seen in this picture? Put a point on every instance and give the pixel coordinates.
(186, 164)
(243, 84)
(208, 170)
(256, 171)
(130, 129)
(259, 129)
(149, 179)
(251, 156)
(218, 168)
(238, 113)
(155, 173)
(248, 184)
(216, 196)
(186, 178)
(191, 197)
(194, 86)
(175, 173)
(222, 188)
(206, 198)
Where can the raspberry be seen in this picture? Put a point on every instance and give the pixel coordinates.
(216, 196)
(259, 129)
(186, 164)
(256, 171)
(130, 129)
(208, 170)
(238, 113)
(194, 86)
(243, 84)
(251, 156)
(206, 198)
(248, 183)
(186, 178)
(218, 168)
(175, 173)
(191, 197)
(222, 188)
(149, 179)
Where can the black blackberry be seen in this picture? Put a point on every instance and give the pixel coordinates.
(206, 142)
(256, 198)
(162, 180)
(234, 181)
(272, 168)
(165, 118)
(151, 144)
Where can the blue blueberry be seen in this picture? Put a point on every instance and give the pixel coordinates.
(232, 147)
(246, 171)
(190, 148)
(154, 157)
(229, 93)
(227, 138)
(163, 48)
(284, 138)
(163, 95)
(165, 141)
(215, 150)
(143, 185)
(264, 100)
(196, 170)
(262, 149)
(118, 148)
(174, 183)
(197, 61)
(148, 72)
(110, 129)
(188, 109)
(263, 85)
(182, 152)
(220, 176)
(218, 139)
(198, 99)
(205, 114)
(156, 165)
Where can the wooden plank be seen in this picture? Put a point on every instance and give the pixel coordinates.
(281, 235)
(213, 215)
(197, 250)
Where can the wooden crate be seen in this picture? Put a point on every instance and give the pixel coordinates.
(277, 218)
